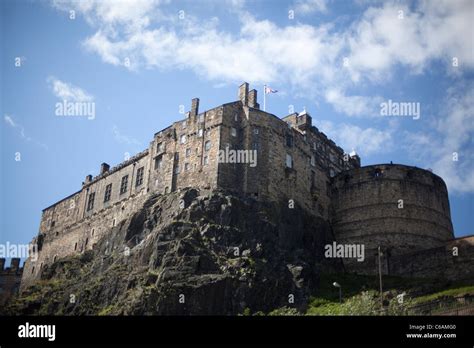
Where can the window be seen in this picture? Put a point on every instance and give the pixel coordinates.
(206, 160)
(314, 146)
(184, 124)
(289, 161)
(188, 152)
(139, 176)
(90, 203)
(200, 133)
(256, 131)
(289, 140)
(176, 169)
(183, 139)
(207, 145)
(158, 162)
(255, 146)
(160, 148)
(186, 167)
(176, 156)
(201, 118)
(233, 131)
(53, 223)
(236, 117)
(75, 247)
(108, 193)
(313, 160)
(332, 173)
(124, 184)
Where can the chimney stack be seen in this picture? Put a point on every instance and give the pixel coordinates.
(15, 264)
(194, 107)
(253, 99)
(244, 93)
(104, 167)
(88, 179)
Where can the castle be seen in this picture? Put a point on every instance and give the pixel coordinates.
(295, 162)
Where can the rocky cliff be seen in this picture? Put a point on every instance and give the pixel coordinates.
(189, 253)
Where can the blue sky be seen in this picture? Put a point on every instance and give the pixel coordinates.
(138, 61)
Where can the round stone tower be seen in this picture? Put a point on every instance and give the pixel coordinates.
(397, 207)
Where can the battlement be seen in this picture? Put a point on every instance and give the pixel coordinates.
(10, 279)
(14, 266)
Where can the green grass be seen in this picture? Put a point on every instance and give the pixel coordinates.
(445, 293)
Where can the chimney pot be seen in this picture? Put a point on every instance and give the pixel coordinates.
(252, 99)
(244, 93)
(194, 107)
(104, 167)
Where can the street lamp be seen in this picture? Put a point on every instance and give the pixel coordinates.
(337, 285)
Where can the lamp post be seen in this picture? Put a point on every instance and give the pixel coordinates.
(380, 277)
(337, 285)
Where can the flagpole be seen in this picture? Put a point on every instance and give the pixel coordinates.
(264, 96)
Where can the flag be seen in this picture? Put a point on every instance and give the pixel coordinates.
(268, 90)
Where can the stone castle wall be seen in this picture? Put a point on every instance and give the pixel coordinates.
(295, 161)
(397, 207)
(454, 260)
(10, 278)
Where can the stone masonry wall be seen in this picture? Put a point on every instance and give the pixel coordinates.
(366, 208)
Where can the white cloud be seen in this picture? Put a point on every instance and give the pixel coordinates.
(452, 133)
(353, 105)
(123, 139)
(435, 30)
(9, 120)
(305, 58)
(365, 141)
(21, 130)
(310, 6)
(67, 91)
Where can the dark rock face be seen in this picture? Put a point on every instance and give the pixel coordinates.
(189, 254)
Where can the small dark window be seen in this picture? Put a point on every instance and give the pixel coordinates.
(75, 247)
(139, 176)
(53, 223)
(108, 193)
(124, 184)
(289, 140)
(90, 203)
(378, 173)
